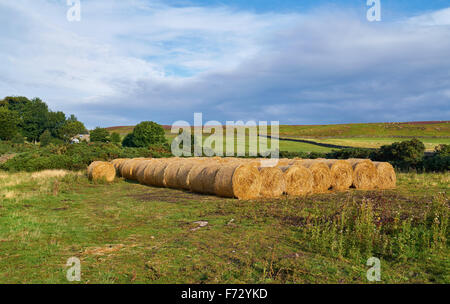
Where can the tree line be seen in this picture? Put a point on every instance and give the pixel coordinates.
(31, 120)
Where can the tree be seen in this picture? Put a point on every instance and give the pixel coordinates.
(18, 104)
(70, 129)
(148, 133)
(34, 119)
(46, 138)
(8, 123)
(99, 135)
(128, 140)
(55, 120)
(115, 138)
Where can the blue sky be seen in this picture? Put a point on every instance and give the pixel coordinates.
(298, 62)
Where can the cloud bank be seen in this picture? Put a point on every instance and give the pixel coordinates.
(133, 60)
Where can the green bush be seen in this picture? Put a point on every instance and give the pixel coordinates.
(100, 135)
(404, 155)
(46, 138)
(76, 156)
(115, 138)
(146, 134)
(351, 153)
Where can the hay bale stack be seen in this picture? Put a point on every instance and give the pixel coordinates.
(341, 174)
(321, 174)
(242, 181)
(284, 162)
(273, 182)
(101, 171)
(299, 180)
(386, 175)
(202, 177)
(365, 174)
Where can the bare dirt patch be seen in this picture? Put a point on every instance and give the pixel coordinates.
(172, 196)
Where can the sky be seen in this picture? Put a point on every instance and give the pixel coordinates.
(297, 62)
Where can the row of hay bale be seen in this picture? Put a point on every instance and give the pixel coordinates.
(248, 178)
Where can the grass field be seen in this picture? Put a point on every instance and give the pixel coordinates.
(130, 233)
(353, 135)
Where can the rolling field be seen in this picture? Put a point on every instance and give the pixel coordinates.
(130, 233)
(353, 135)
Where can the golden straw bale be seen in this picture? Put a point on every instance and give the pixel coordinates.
(101, 171)
(148, 178)
(299, 180)
(386, 175)
(202, 177)
(321, 174)
(273, 182)
(117, 162)
(242, 181)
(158, 172)
(92, 166)
(139, 170)
(127, 167)
(171, 173)
(341, 174)
(365, 174)
(183, 173)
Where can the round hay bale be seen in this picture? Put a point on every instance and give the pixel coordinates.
(171, 173)
(148, 178)
(321, 175)
(92, 166)
(242, 181)
(386, 175)
(127, 167)
(158, 172)
(139, 170)
(299, 180)
(273, 182)
(341, 174)
(365, 174)
(101, 171)
(116, 163)
(183, 174)
(202, 177)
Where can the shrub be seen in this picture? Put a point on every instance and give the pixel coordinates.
(148, 133)
(115, 138)
(404, 155)
(76, 157)
(351, 153)
(128, 141)
(99, 135)
(18, 139)
(46, 138)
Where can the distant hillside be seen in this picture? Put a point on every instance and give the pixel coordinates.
(440, 129)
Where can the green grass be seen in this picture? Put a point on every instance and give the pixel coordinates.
(376, 142)
(368, 130)
(129, 233)
(353, 135)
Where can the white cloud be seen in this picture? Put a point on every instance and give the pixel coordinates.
(132, 60)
